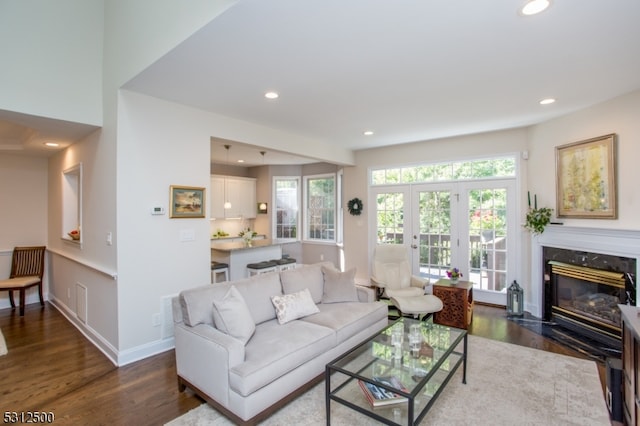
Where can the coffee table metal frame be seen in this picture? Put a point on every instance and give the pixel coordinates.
(438, 373)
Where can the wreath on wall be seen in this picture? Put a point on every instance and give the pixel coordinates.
(355, 206)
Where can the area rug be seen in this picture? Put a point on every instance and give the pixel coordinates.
(506, 384)
(3, 345)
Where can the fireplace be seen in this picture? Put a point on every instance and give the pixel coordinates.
(585, 300)
(608, 250)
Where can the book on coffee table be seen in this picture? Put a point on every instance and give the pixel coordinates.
(378, 396)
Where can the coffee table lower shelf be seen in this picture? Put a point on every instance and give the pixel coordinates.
(342, 376)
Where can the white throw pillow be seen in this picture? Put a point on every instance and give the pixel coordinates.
(294, 305)
(231, 316)
(339, 286)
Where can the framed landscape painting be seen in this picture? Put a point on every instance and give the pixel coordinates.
(186, 202)
(586, 179)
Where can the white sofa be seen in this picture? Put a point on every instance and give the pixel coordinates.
(246, 358)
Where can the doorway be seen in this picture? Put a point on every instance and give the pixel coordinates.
(467, 224)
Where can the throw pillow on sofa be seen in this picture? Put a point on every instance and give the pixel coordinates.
(292, 306)
(339, 286)
(308, 276)
(231, 315)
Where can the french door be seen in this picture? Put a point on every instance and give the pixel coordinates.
(469, 225)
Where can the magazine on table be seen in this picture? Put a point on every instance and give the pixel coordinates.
(379, 396)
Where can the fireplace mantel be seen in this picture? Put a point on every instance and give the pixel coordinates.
(616, 242)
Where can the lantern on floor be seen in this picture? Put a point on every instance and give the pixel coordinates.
(515, 299)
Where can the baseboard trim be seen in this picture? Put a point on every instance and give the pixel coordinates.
(92, 336)
(118, 358)
(491, 305)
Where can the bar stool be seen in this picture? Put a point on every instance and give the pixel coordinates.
(219, 268)
(285, 263)
(261, 268)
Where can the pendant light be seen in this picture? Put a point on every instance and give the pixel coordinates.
(227, 203)
(263, 205)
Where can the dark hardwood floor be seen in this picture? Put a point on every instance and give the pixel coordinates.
(52, 367)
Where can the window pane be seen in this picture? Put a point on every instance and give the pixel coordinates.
(389, 213)
(286, 211)
(487, 237)
(321, 213)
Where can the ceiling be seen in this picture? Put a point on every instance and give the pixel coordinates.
(24, 134)
(408, 70)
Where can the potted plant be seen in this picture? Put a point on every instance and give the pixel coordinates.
(538, 219)
(248, 235)
(454, 275)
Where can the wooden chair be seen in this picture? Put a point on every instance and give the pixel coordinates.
(27, 268)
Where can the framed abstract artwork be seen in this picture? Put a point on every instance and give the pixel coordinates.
(586, 179)
(186, 202)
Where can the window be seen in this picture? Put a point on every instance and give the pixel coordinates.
(501, 167)
(286, 202)
(320, 208)
(460, 214)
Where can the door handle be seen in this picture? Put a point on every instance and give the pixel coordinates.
(413, 246)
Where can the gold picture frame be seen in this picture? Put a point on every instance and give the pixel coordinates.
(586, 179)
(186, 202)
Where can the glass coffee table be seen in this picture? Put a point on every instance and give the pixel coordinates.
(397, 383)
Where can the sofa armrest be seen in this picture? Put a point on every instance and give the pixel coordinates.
(366, 294)
(204, 356)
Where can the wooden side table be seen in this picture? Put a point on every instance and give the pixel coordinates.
(458, 303)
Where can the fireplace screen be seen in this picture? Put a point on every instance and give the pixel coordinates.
(588, 296)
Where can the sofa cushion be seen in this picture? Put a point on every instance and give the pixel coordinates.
(269, 355)
(339, 286)
(196, 303)
(293, 306)
(231, 315)
(257, 292)
(348, 319)
(306, 276)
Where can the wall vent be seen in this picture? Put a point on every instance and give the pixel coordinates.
(167, 317)
(81, 302)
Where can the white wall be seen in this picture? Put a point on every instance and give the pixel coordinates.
(619, 116)
(356, 234)
(23, 217)
(52, 58)
(136, 34)
(92, 265)
(152, 260)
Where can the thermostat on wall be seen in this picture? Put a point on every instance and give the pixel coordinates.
(157, 210)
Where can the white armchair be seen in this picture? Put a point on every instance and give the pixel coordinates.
(392, 274)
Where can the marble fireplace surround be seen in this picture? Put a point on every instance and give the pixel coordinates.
(615, 242)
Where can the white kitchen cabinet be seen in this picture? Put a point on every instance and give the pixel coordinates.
(241, 193)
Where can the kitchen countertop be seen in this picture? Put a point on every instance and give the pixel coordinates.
(240, 245)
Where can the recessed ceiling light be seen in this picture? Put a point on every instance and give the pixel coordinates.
(52, 144)
(534, 7)
(271, 95)
(547, 101)
(240, 161)
(367, 132)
